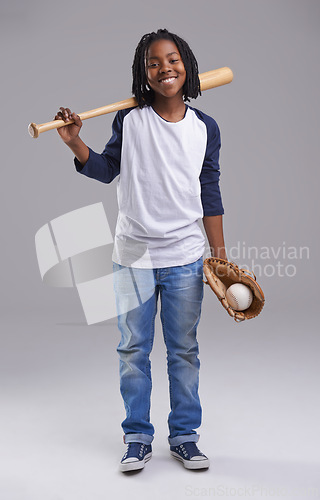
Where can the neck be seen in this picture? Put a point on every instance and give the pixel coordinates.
(171, 109)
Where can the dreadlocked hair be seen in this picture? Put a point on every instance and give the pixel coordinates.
(140, 88)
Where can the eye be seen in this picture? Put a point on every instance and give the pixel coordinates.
(152, 65)
(174, 60)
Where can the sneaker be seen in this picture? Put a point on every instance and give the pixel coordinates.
(135, 457)
(190, 455)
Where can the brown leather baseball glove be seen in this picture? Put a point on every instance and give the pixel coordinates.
(221, 274)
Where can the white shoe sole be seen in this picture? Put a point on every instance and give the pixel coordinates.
(136, 465)
(192, 464)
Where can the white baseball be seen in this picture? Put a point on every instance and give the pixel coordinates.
(239, 296)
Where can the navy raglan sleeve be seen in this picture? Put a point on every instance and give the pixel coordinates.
(105, 167)
(210, 173)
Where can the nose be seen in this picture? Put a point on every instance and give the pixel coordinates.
(164, 67)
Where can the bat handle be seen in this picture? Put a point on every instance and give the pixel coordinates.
(34, 129)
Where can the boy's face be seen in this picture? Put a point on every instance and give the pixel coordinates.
(165, 70)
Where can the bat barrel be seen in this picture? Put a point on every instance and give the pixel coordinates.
(215, 78)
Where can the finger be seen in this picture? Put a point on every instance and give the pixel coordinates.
(64, 113)
(77, 119)
(59, 116)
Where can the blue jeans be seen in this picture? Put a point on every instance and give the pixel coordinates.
(181, 294)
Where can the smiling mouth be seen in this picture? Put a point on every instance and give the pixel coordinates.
(170, 79)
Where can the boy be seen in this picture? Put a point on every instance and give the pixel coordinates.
(167, 155)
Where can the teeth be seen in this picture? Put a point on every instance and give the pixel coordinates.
(168, 80)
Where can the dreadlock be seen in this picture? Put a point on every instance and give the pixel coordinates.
(140, 88)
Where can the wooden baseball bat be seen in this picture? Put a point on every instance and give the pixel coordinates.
(208, 80)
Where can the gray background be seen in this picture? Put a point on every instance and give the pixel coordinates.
(61, 408)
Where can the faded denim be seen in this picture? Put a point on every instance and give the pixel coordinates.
(181, 293)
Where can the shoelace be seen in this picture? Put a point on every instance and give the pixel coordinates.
(141, 450)
(183, 450)
(188, 453)
(142, 446)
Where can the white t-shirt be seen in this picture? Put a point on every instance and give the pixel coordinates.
(164, 167)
